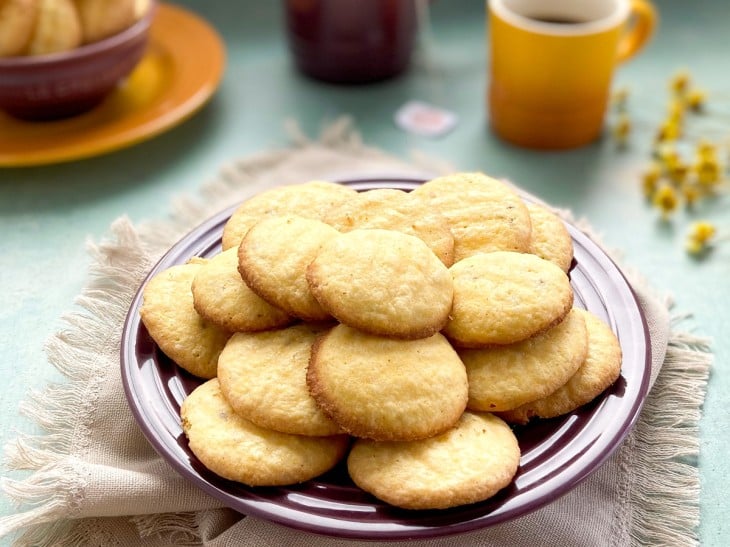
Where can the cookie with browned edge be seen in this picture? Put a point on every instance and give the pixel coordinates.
(550, 238)
(392, 209)
(506, 377)
(236, 449)
(382, 282)
(504, 297)
(263, 376)
(600, 369)
(273, 260)
(167, 311)
(387, 389)
(484, 214)
(309, 200)
(470, 462)
(222, 297)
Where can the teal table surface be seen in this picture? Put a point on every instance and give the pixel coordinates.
(47, 213)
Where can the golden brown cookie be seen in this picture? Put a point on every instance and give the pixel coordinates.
(57, 28)
(484, 214)
(263, 376)
(236, 449)
(505, 297)
(506, 377)
(397, 210)
(382, 282)
(466, 464)
(221, 296)
(101, 19)
(550, 238)
(387, 389)
(273, 260)
(600, 369)
(171, 320)
(17, 22)
(309, 200)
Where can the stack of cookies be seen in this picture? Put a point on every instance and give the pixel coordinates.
(402, 331)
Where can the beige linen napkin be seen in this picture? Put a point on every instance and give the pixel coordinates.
(94, 479)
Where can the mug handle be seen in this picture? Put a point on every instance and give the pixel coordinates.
(644, 21)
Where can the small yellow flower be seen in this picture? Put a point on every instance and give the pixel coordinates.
(678, 171)
(696, 99)
(675, 111)
(669, 130)
(700, 236)
(666, 200)
(691, 193)
(650, 179)
(694, 247)
(706, 151)
(679, 82)
(673, 180)
(622, 129)
(667, 155)
(708, 172)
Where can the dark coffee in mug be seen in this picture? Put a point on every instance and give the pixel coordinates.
(559, 21)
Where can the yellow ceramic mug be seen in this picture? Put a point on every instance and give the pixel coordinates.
(552, 62)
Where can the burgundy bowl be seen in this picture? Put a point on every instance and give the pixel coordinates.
(63, 84)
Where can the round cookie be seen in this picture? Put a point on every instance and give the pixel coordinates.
(221, 296)
(236, 449)
(600, 369)
(484, 214)
(309, 200)
(505, 297)
(550, 238)
(273, 260)
(263, 376)
(397, 210)
(507, 377)
(382, 282)
(18, 20)
(180, 332)
(386, 389)
(468, 463)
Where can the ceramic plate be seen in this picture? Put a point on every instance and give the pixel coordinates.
(557, 454)
(179, 72)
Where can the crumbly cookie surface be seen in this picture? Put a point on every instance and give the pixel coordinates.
(466, 464)
(273, 260)
(484, 214)
(504, 297)
(387, 389)
(221, 296)
(309, 200)
(601, 368)
(238, 450)
(425, 365)
(397, 210)
(382, 282)
(263, 376)
(180, 332)
(507, 377)
(550, 238)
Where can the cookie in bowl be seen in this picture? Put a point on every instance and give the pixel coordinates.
(60, 58)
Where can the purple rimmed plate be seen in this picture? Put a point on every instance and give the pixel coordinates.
(557, 454)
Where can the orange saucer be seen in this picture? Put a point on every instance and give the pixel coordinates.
(179, 72)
